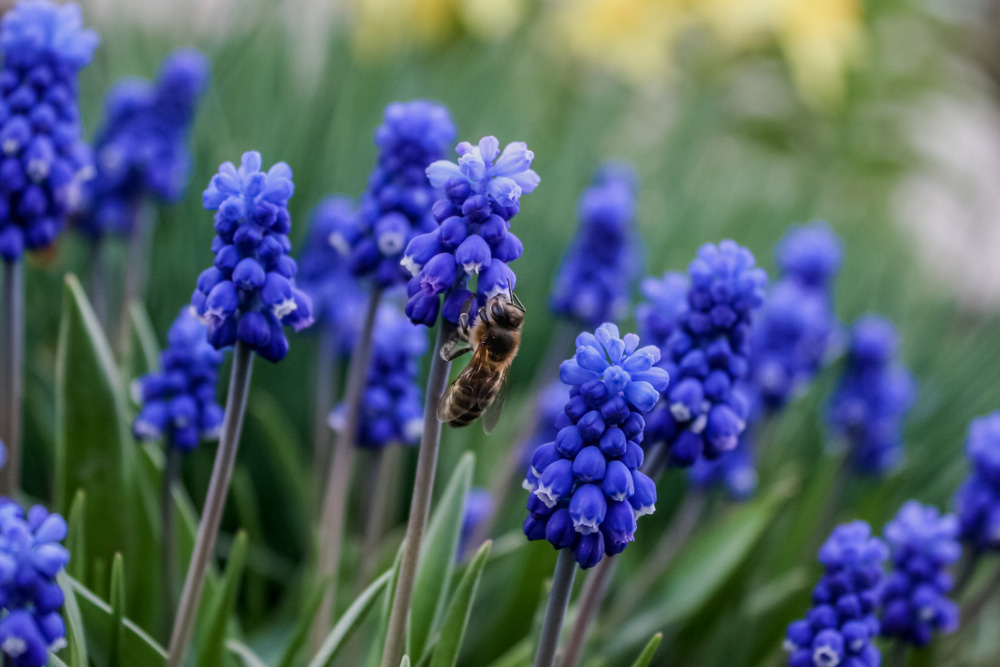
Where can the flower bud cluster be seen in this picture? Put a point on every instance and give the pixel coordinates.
(923, 544)
(482, 194)
(178, 402)
(31, 557)
(392, 411)
(706, 353)
(42, 156)
(249, 293)
(978, 499)
(840, 627)
(598, 269)
(874, 394)
(586, 487)
(141, 148)
(325, 275)
(397, 202)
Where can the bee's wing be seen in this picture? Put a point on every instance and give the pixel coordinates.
(445, 405)
(491, 416)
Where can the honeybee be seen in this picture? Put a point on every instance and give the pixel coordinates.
(493, 339)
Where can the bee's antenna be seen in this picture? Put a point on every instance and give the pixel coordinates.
(513, 297)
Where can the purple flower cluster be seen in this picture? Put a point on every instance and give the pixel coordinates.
(840, 627)
(923, 544)
(325, 275)
(482, 194)
(978, 499)
(43, 159)
(706, 354)
(397, 202)
(30, 558)
(140, 150)
(797, 326)
(598, 269)
(250, 292)
(178, 402)
(873, 397)
(586, 487)
(392, 411)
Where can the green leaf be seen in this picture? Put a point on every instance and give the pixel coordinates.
(94, 451)
(703, 567)
(405, 662)
(646, 656)
(375, 654)
(350, 621)
(76, 537)
(138, 648)
(145, 351)
(449, 642)
(212, 649)
(244, 653)
(54, 661)
(300, 634)
(76, 638)
(437, 559)
(117, 611)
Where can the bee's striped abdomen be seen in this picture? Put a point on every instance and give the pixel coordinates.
(469, 395)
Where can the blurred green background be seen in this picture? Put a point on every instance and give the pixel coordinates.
(741, 116)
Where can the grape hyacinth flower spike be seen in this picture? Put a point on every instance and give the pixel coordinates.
(392, 411)
(842, 623)
(793, 336)
(597, 272)
(249, 293)
(874, 394)
(923, 544)
(141, 156)
(707, 355)
(586, 487)
(244, 299)
(178, 401)
(394, 208)
(482, 193)
(30, 597)
(43, 161)
(977, 501)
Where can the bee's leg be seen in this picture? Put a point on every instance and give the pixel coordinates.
(453, 349)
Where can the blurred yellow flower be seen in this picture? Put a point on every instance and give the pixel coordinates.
(633, 38)
(820, 39)
(385, 27)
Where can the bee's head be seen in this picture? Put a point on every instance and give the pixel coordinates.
(505, 310)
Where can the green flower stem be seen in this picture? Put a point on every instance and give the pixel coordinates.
(215, 502)
(685, 520)
(13, 379)
(974, 608)
(171, 476)
(325, 396)
(562, 588)
(97, 289)
(899, 654)
(338, 480)
(384, 465)
(968, 569)
(137, 258)
(420, 505)
(595, 588)
(504, 475)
